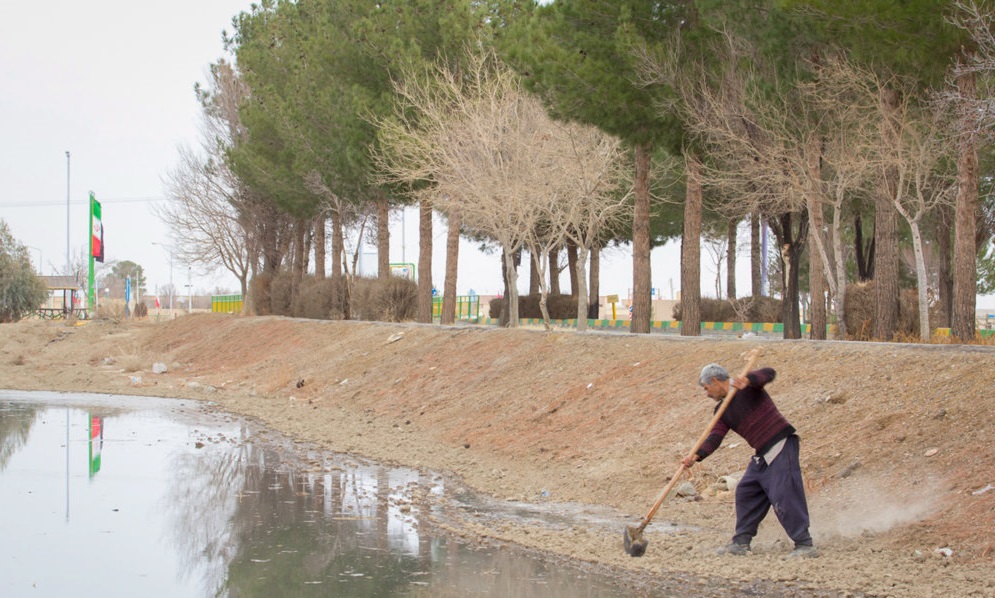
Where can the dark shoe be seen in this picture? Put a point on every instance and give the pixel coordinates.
(803, 552)
(734, 548)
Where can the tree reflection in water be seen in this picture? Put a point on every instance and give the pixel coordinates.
(258, 519)
(16, 420)
(205, 504)
(255, 523)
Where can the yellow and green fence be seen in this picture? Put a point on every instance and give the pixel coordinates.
(226, 304)
(665, 325)
(467, 308)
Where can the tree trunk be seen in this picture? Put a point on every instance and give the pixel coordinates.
(756, 262)
(243, 282)
(554, 272)
(731, 228)
(864, 253)
(817, 256)
(448, 315)
(319, 247)
(511, 287)
(425, 298)
(839, 296)
(922, 282)
(945, 280)
(572, 267)
(965, 287)
(383, 238)
(817, 288)
(580, 263)
(691, 251)
(886, 291)
(253, 247)
(337, 257)
(791, 244)
(308, 231)
(594, 300)
(537, 256)
(641, 271)
(535, 282)
(272, 256)
(298, 269)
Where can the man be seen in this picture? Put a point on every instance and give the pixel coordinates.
(773, 477)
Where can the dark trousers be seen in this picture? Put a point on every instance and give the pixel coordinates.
(777, 485)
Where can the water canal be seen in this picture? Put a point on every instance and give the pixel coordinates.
(132, 496)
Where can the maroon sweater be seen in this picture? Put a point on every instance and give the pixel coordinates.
(751, 414)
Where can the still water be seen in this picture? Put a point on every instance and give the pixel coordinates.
(132, 496)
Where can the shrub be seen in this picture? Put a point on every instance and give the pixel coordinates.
(281, 294)
(110, 309)
(744, 309)
(391, 299)
(560, 307)
(859, 306)
(315, 300)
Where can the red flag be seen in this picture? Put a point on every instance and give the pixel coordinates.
(157, 302)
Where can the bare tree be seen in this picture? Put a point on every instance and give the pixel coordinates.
(210, 214)
(206, 230)
(921, 157)
(841, 167)
(492, 156)
(586, 177)
(717, 248)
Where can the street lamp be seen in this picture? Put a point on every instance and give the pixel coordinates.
(39, 258)
(170, 250)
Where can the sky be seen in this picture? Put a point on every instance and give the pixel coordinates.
(111, 82)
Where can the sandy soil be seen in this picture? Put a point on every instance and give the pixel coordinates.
(897, 440)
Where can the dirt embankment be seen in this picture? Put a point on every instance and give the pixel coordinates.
(897, 440)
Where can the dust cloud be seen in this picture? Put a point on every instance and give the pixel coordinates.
(869, 506)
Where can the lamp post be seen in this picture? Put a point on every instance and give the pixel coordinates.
(170, 250)
(68, 265)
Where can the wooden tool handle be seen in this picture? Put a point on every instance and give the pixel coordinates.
(751, 360)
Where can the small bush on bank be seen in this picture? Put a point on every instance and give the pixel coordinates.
(391, 299)
(313, 298)
(281, 294)
(316, 300)
(744, 309)
(110, 309)
(859, 307)
(560, 307)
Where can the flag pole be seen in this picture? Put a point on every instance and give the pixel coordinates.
(92, 301)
